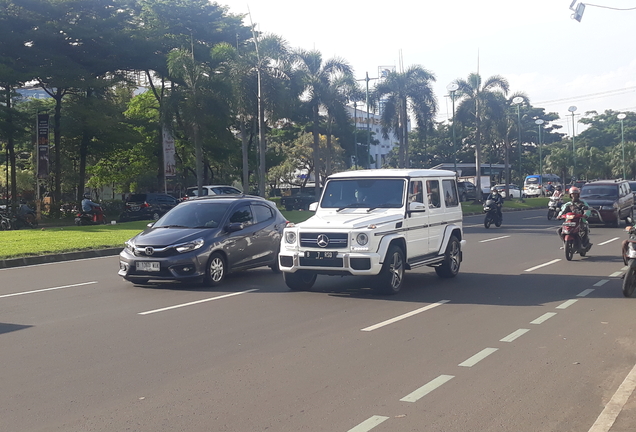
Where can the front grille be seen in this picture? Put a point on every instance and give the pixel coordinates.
(335, 240)
(337, 262)
(157, 252)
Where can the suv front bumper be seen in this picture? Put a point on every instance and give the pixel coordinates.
(357, 264)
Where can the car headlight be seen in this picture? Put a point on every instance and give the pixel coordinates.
(362, 239)
(290, 237)
(129, 245)
(190, 246)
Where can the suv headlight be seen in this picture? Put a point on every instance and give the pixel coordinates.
(190, 246)
(362, 239)
(290, 237)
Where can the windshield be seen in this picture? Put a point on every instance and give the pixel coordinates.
(194, 214)
(599, 192)
(363, 193)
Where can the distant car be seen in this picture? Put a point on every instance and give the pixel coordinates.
(467, 191)
(147, 206)
(203, 239)
(192, 192)
(632, 185)
(514, 190)
(613, 199)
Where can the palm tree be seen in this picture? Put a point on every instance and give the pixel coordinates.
(319, 79)
(479, 100)
(404, 92)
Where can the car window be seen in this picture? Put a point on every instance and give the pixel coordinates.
(416, 192)
(192, 192)
(450, 193)
(195, 214)
(231, 191)
(242, 215)
(599, 191)
(137, 198)
(432, 191)
(262, 213)
(367, 192)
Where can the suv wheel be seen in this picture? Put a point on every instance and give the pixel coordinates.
(300, 281)
(391, 276)
(156, 215)
(452, 260)
(216, 270)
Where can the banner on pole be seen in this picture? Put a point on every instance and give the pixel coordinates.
(43, 146)
(169, 166)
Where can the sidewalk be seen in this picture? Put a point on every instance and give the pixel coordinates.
(68, 256)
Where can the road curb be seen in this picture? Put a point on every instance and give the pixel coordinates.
(69, 256)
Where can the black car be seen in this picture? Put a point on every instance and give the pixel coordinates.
(147, 206)
(205, 238)
(613, 199)
(467, 191)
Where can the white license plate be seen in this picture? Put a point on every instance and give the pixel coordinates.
(150, 266)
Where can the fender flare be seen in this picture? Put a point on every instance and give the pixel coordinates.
(449, 231)
(386, 241)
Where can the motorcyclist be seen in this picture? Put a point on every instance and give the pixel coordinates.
(549, 188)
(558, 193)
(498, 199)
(26, 214)
(576, 204)
(89, 206)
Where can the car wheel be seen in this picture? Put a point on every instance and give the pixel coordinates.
(155, 215)
(275, 266)
(452, 260)
(216, 270)
(300, 281)
(464, 197)
(391, 277)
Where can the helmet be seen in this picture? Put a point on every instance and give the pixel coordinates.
(494, 190)
(87, 195)
(575, 190)
(549, 182)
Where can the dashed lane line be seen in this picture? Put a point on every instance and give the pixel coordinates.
(514, 335)
(472, 361)
(616, 274)
(543, 318)
(369, 424)
(493, 239)
(566, 304)
(403, 316)
(47, 289)
(543, 265)
(601, 282)
(427, 388)
(585, 292)
(608, 241)
(196, 302)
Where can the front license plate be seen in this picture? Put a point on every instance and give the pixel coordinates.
(321, 255)
(150, 266)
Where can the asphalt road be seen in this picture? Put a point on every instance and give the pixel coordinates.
(521, 340)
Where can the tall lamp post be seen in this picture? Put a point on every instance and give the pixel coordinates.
(452, 88)
(367, 79)
(355, 130)
(621, 117)
(539, 122)
(518, 101)
(572, 109)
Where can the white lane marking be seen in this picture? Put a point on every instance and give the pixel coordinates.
(48, 289)
(534, 217)
(585, 292)
(607, 418)
(369, 424)
(543, 265)
(196, 302)
(57, 262)
(403, 316)
(625, 268)
(543, 318)
(427, 388)
(608, 241)
(493, 239)
(514, 335)
(601, 282)
(478, 357)
(616, 274)
(566, 304)
(473, 226)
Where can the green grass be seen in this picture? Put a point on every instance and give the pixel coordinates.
(528, 203)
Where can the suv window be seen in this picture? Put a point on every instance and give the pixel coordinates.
(450, 193)
(416, 192)
(432, 189)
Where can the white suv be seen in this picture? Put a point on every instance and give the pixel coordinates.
(377, 222)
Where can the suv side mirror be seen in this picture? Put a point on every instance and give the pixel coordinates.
(313, 206)
(416, 206)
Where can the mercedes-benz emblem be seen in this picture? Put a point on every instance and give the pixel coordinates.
(323, 240)
(150, 251)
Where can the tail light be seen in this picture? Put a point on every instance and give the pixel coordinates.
(144, 205)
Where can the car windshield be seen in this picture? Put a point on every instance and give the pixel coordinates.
(194, 214)
(590, 191)
(363, 193)
(192, 192)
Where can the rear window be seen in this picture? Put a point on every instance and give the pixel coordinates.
(192, 192)
(599, 191)
(137, 198)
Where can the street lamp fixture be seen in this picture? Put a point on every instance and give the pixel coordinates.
(518, 101)
(621, 117)
(539, 122)
(452, 88)
(572, 109)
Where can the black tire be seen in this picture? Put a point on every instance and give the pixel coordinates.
(302, 280)
(5, 225)
(569, 250)
(550, 214)
(464, 197)
(216, 270)
(498, 222)
(452, 260)
(391, 277)
(156, 215)
(487, 222)
(629, 281)
(275, 266)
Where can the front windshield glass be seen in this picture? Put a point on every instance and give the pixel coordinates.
(363, 193)
(599, 192)
(194, 214)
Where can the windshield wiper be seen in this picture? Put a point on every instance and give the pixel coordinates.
(385, 205)
(353, 205)
(172, 226)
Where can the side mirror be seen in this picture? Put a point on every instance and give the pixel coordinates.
(629, 220)
(234, 227)
(313, 206)
(416, 206)
(150, 225)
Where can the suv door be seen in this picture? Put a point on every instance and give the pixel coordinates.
(416, 223)
(435, 202)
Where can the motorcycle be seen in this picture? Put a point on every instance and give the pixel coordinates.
(87, 218)
(492, 215)
(554, 206)
(5, 222)
(572, 234)
(629, 258)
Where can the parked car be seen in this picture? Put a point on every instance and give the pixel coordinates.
(513, 190)
(632, 185)
(205, 238)
(211, 190)
(147, 206)
(613, 199)
(467, 191)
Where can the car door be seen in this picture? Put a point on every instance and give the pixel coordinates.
(268, 234)
(239, 245)
(416, 222)
(435, 203)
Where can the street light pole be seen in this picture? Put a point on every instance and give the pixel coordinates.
(621, 117)
(452, 88)
(518, 101)
(355, 130)
(572, 109)
(539, 122)
(367, 79)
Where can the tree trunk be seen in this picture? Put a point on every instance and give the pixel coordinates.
(316, 151)
(11, 149)
(328, 159)
(246, 166)
(57, 142)
(86, 137)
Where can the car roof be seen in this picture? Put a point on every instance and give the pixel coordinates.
(226, 198)
(605, 182)
(212, 186)
(393, 173)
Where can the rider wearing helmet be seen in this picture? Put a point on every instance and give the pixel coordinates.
(576, 204)
(558, 193)
(88, 206)
(497, 198)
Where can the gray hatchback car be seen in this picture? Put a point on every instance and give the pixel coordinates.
(205, 238)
